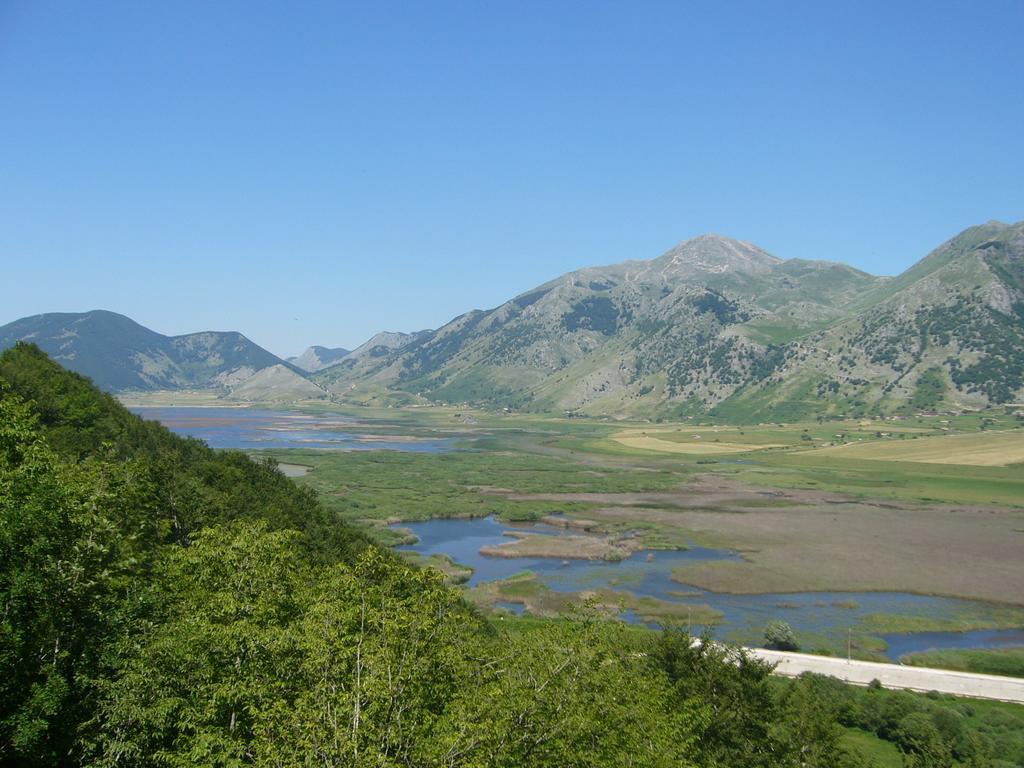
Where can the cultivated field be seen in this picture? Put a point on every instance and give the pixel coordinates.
(670, 443)
(983, 449)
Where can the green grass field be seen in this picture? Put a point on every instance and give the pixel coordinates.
(998, 661)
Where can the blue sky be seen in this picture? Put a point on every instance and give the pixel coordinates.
(314, 172)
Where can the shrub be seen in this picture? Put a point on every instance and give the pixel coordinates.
(779, 636)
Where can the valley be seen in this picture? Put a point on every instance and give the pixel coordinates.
(542, 516)
(774, 453)
(512, 385)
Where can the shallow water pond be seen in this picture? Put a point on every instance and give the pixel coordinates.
(649, 573)
(912, 642)
(257, 428)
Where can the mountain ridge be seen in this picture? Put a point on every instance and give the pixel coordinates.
(119, 354)
(712, 326)
(716, 325)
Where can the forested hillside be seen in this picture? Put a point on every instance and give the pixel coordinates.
(167, 605)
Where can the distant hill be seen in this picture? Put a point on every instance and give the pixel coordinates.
(714, 326)
(379, 345)
(364, 362)
(276, 383)
(720, 326)
(315, 358)
(385, 342)
(119, 355)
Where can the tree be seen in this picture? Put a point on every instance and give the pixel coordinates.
(194, 680)
(735, 689)
(584, 693)
(384, 652)
(807, 724)
(922, 743)
(71, 544)
(779, 636)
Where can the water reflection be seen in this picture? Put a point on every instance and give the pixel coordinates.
(256, 428)
(649, 573)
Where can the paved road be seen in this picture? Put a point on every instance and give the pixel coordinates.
(897, 676)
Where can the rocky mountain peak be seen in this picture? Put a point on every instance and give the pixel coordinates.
(714, 254)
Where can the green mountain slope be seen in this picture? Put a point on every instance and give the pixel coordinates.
(119, 354)
(946, 334)
(93, 499)
(719, 325)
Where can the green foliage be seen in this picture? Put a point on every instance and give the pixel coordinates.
(808, 725)
(259, 658)
(89, 497)
(167, 605)
(583, 693)
(995, 661)
(930, 392)
(211, 655)
(193, 485)
(779, 636)
(73, 539)
(77, 420)
(735, 688)
(930, 730)
(595, 313)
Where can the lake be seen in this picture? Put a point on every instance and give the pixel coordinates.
(257, 428)
(650, 573)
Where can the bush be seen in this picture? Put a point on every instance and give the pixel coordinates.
(779, 636)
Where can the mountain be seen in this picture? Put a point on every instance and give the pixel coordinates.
(384, 343)
(364, 361)
(714, 326)
(118, 354)
(275, 384)
(720, 326)
(947, 334)
(364, 358)
(315, 358)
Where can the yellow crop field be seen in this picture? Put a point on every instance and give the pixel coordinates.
(696, 447)
(983, 449)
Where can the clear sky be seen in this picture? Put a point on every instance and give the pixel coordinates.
(310, 173)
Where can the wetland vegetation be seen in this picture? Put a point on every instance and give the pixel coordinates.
(201, 607)
(796, 532)
(988, 661)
